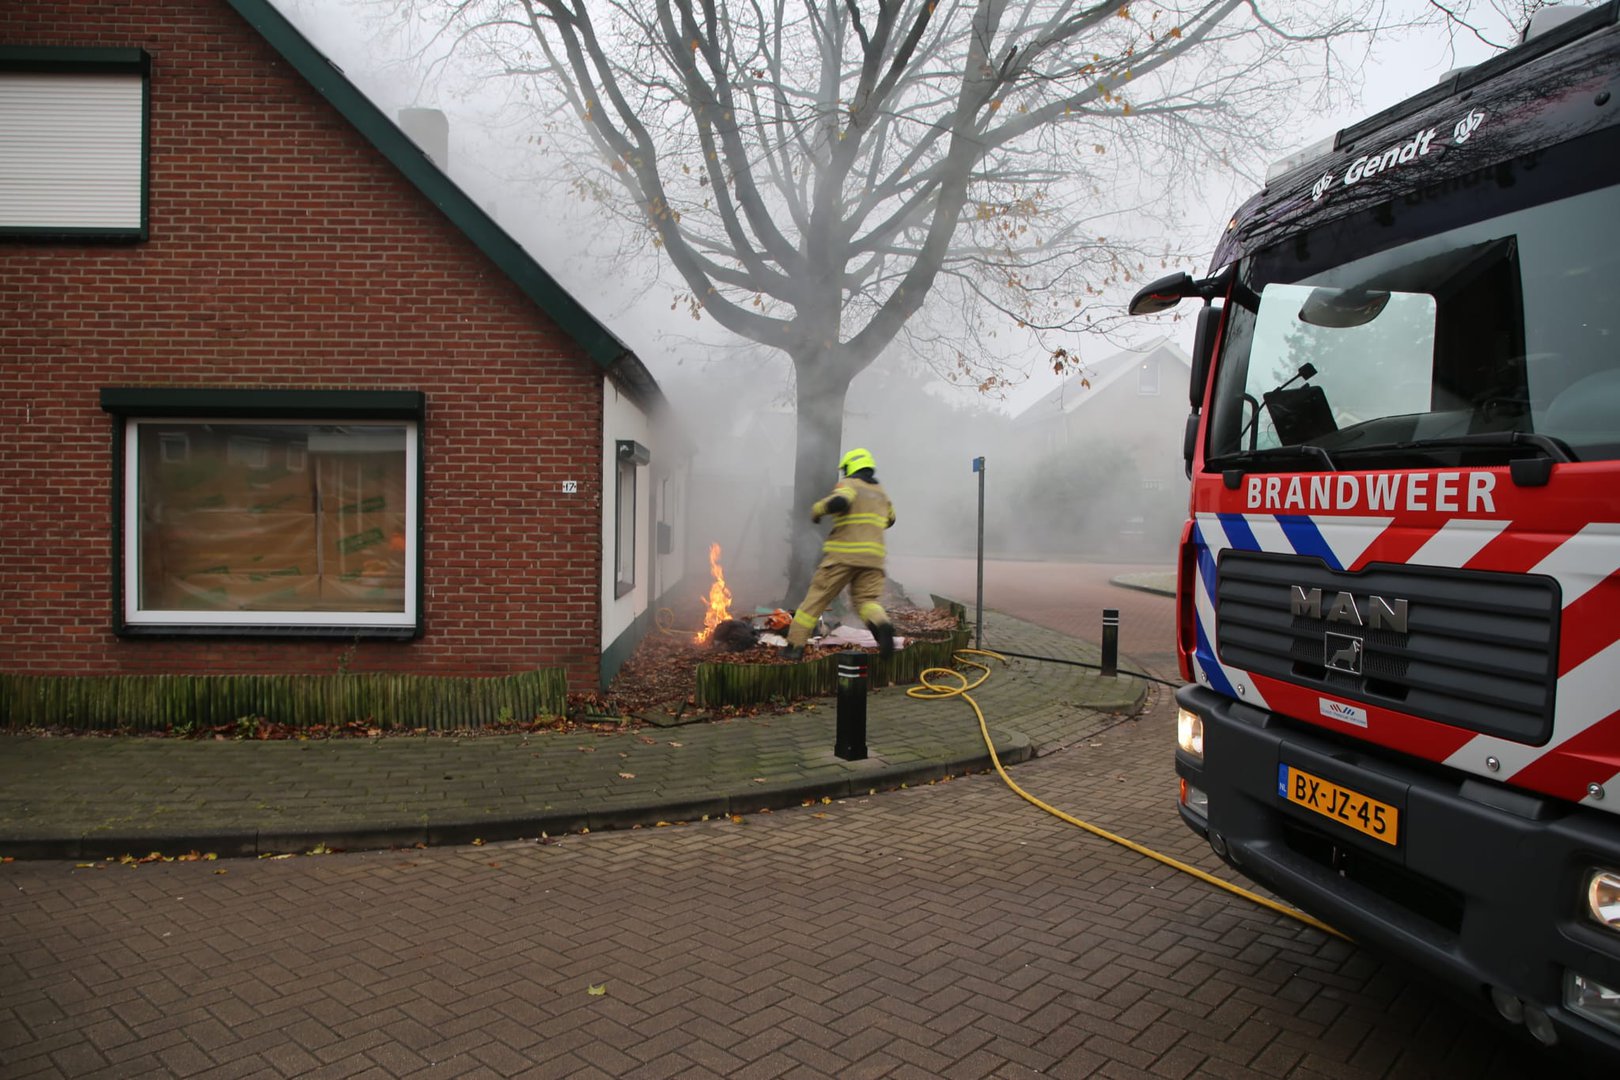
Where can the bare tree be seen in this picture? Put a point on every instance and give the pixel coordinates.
(833, 178)
(1495, 23)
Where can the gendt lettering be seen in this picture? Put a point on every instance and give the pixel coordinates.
(1415, 492)
(1369, 165)
(1382, 613)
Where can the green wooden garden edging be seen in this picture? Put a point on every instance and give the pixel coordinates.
(181, 702)
(722, 684)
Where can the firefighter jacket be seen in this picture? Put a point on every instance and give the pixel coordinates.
(860, 511)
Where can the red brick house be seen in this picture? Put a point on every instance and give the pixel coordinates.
(277, 396)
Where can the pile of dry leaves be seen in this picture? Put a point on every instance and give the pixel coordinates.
(661, 675)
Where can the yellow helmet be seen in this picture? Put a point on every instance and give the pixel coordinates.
(855, 461)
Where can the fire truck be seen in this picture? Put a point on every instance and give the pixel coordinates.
(1399, 581)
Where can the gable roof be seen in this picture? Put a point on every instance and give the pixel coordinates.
(1074, 393)
(598, 342)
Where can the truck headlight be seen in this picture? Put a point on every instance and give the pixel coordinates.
(1603, 898)
(1190, 733)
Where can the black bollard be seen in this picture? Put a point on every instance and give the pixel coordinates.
(1110, 642)
(850, 742)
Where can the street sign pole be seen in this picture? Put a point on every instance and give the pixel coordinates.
(978, 629)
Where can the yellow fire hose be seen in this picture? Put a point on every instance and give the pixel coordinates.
(932, 691)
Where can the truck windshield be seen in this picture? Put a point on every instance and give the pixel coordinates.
(1475, 345)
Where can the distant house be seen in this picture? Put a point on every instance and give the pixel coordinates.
(277, 396)
(1133, 402)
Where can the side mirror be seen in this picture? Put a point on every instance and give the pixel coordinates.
(1163, 294)
(1203, 352)
(1172, 289)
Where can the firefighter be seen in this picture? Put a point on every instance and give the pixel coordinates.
(852, 555)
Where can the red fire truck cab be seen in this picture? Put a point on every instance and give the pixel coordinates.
(1399, 587)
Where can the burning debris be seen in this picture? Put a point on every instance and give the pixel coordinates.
(725, 632)
(660, 677)
(734, 635)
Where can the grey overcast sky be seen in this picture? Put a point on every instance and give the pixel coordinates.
(1396, 68)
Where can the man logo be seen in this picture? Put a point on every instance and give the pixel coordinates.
(1342, 653)
(1382, 614)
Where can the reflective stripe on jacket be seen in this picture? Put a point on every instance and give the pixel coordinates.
(857, 535)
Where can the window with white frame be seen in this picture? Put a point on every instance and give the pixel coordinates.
(73, 136)
(630, 457)
(274, 521)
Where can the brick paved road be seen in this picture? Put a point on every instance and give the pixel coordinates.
(948, 930)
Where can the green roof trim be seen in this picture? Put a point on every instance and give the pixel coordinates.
(74, 59)
(599, 343)
(226, 403)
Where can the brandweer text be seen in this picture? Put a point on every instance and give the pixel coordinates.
(1443, 492)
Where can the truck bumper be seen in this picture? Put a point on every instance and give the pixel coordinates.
(1484, 886)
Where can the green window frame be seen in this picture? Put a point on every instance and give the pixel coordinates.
(75, 129)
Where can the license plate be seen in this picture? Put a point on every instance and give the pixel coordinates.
(1378, 820)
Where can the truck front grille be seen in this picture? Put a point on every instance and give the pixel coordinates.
(1478, 650)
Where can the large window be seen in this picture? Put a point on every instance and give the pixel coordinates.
(73, 139)
(238, 521)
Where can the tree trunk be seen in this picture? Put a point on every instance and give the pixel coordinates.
(820, 426)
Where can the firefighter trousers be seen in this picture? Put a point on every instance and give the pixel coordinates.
(865, 588)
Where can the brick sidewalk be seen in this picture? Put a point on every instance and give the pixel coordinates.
(74, 798)
(948, 929)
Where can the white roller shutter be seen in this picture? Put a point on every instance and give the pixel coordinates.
(71, 151)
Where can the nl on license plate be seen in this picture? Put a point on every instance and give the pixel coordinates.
(1378, 820)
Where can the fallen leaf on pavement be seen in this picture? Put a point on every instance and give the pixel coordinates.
(627, 776)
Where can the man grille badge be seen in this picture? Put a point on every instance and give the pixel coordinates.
(1343, 653)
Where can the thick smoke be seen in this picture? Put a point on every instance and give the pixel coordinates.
(1087, 473)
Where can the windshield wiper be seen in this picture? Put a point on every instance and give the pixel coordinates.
(1533, 471)
(1553, 448)
(1240, 458)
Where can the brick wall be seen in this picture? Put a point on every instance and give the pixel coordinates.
(285, 252)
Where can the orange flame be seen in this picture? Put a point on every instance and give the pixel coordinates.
(719, 602)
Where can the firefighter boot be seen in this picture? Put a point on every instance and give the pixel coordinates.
(884, 632)
(793, 653)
